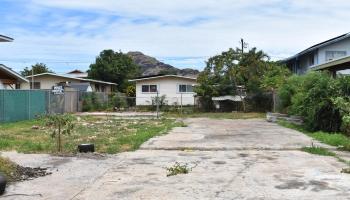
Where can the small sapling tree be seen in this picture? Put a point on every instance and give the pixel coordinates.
(60, 124)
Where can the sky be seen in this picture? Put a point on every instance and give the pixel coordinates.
(69, 34)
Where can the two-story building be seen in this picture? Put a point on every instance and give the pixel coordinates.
(332, 55)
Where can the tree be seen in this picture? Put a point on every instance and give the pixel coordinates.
(60, 124)
(35, 69)
(274, 78)
(115, 67)
(232, 68)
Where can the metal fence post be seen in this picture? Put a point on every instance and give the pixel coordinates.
(181, 104)
(29, 104)
(157, 104)
(49, 103)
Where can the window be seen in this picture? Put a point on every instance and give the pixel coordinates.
(185, 88)
(149, 88)
(331, 55)
(36, 85)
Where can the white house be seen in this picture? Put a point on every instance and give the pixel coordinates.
(177, 89)
(332, 55)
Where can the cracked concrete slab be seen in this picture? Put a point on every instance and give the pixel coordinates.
(223, 175)
(225, 134)
(231, 159)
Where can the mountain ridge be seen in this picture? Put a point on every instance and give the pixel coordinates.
(151, 66)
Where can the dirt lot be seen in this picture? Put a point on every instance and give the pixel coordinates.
(232, 159)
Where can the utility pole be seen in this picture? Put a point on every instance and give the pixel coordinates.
(243, 45)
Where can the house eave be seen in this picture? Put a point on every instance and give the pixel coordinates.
(73, 78)
(5, 39)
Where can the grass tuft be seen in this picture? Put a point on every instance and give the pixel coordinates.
(318, 151)
(334, 139)
(178, 168)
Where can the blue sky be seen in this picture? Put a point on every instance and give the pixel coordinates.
(69, 34)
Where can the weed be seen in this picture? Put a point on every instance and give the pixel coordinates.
(178, 168)
(345, 170)
(8, 168)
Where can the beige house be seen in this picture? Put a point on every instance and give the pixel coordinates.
(177, 89)
(49, 80)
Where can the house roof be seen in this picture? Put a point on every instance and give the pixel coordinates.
(322, 44)
(73, 78)
(76, 71)
(161, 76)
(5, 39)
(12, 73)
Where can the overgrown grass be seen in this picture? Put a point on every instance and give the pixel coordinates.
(110, 135)
(7, 168)
(318, 151)
(219, 115)
(334, 139)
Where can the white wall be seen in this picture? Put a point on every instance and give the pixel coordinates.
(166, 86)
(343, 45)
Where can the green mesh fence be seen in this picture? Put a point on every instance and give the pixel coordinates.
(16, 105)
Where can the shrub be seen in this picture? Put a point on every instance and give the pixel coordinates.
(310, 96)
(161, 100)
(119, 101)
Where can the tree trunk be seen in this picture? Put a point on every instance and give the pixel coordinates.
(59, 138)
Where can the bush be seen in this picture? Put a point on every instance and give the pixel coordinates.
(310, 96)
(91, 102)
(119, 101)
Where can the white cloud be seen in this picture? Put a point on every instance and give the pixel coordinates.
(178, 28)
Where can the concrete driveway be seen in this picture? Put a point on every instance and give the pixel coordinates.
(231, 159)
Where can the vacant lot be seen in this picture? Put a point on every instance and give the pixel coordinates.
(229, 159)
(110, 135)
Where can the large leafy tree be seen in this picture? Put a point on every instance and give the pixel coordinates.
(230, 69)
(115, 67)
(35, 69)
